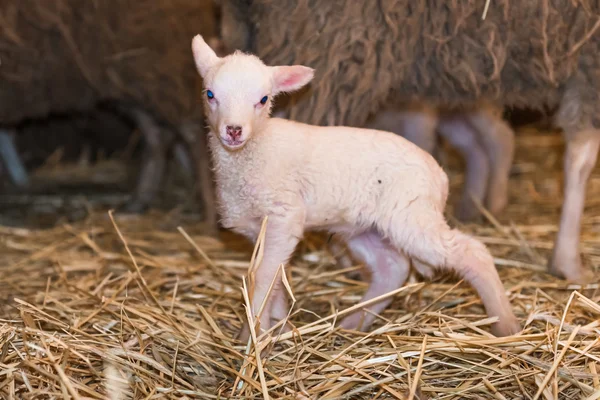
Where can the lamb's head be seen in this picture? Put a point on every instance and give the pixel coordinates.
(239, 90)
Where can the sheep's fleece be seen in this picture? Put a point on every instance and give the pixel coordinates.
(438, 51)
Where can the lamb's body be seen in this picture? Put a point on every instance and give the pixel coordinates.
(382, 193)
(327, 171)
(374, 188)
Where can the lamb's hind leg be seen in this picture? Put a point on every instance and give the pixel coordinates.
(389, 270)
(423, 234)
(580, 158)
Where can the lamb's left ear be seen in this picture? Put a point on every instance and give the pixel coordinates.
(204, 56)
(291, 78)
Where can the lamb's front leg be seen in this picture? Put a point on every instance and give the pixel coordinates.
(281, 237)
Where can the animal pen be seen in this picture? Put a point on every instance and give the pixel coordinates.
(97, 302)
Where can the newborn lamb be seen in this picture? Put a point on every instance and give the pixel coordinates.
(381, 193)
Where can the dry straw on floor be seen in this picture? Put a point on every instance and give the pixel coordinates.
(132, 307)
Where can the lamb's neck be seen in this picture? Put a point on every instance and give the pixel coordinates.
(226, 161)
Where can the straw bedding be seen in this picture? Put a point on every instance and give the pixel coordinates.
(131, 307)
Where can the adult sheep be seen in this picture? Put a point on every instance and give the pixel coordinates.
(535, 54)
(60, 56)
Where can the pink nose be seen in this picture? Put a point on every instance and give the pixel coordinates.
(234, 132)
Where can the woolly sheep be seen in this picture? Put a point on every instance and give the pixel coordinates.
(539, 54)
(66, 56)
(381, 193)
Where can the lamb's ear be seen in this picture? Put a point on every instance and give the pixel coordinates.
(204, 56)
(291, 78)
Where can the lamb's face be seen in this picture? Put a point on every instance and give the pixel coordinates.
(238, 92)
(239, 89)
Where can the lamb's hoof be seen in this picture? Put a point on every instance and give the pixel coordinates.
(508, 327)
(570, 269)
(355, 322)
(244, 333)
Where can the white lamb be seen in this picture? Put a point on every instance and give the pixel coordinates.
(381, 193)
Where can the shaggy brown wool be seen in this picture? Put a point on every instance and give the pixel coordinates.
(440, 52)
(66, 55)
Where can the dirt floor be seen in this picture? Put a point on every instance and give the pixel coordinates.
(146, 307)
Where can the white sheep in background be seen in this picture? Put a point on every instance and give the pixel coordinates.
(381, 193)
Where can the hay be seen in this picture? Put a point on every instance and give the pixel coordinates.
(83, 318)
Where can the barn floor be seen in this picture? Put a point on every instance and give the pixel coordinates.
(146, 306)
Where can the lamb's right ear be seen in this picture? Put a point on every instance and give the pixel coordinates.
(291, 78)
(204, 56)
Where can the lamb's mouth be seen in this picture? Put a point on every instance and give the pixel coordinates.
(233, 144)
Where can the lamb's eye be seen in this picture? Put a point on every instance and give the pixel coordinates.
(210, 95)
(263, 101)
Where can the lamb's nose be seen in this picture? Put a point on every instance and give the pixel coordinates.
(234, 131)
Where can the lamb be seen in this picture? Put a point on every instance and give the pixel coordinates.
(539, 55)
(306, 177)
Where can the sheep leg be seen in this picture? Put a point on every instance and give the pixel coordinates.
(281, 238)
(12, 161)
(498, 141)
(195, 138)
(416, 126)
(389, 270)
(205, 185)
(423, 234)
(154, 162)
(184, 159)
(462, 137)
(580, 158)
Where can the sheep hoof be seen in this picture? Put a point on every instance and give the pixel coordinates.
(134, 207)
(570, 269)
(497, 204)
(467, 212)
